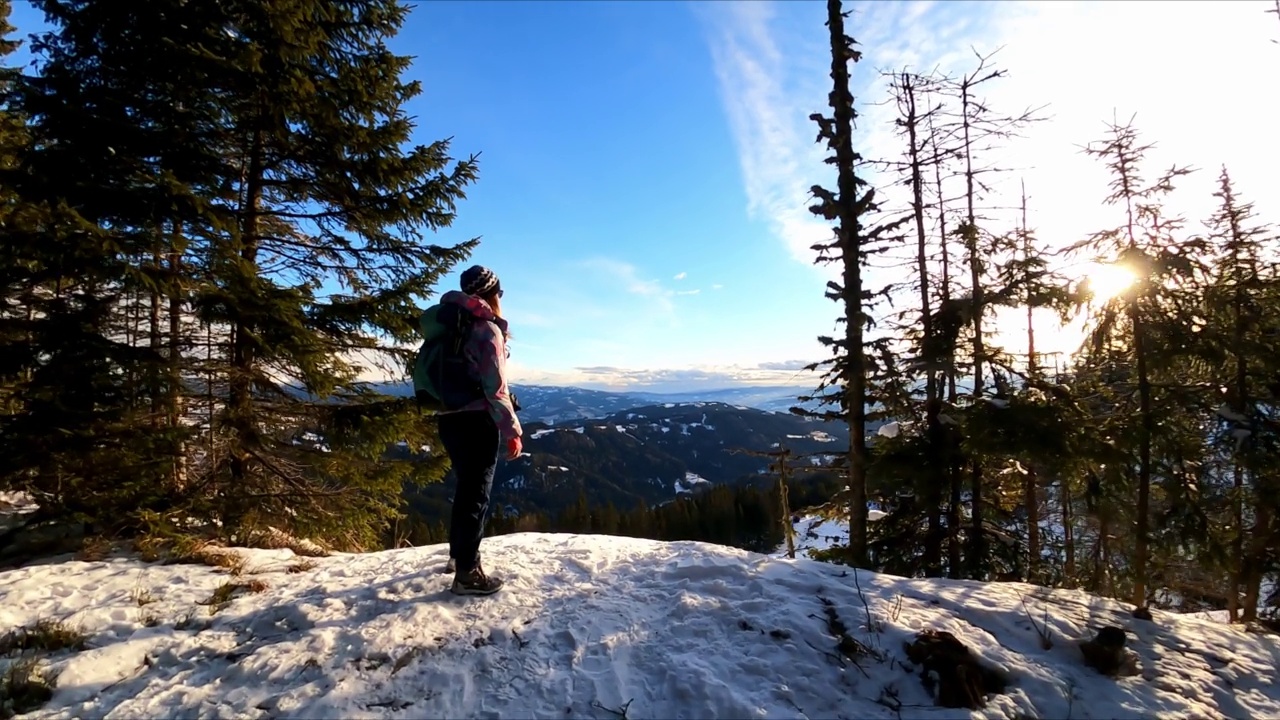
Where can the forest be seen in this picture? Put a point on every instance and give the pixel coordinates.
(212, 217)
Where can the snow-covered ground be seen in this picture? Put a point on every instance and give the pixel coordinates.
(821, 531)
(691, 480)
(591, 624)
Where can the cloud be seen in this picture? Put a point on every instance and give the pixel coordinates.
(717, 286)
(1201, 108)
(681, 276)
(707, 377)
(776, 153)
(628, 277)
(790, 365)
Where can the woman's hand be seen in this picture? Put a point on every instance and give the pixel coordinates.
(514, 448)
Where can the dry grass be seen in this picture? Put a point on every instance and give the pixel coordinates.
(226, 592)
(273, 539)
(149, 548)
(302, 566)
(190, 550)
(193, 550)
(141, 596)
(25, 687)
(45, 635)
(94, 549)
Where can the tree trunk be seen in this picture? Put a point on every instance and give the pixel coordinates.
(851, 250)
(154, 383)
(1237, 543)
(937, 468)
(788, 529)
(1031, 498)
(1068, 533)
(1256, 561)
(1141, 532)
(977, 543)
(175, 390)
(951, 467)
(240, 389)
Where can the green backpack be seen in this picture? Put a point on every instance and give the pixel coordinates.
(441, 379)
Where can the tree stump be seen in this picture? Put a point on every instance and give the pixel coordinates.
(1106, 653)
(951, 673)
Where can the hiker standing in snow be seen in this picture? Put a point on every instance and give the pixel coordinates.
(461, 370)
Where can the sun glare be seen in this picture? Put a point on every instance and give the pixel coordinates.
(1108, 281)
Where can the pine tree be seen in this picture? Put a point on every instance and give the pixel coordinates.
(242, 167)
(74, 442)
(976, 124)
(15, 309)
(935, 351)
(851, 204)
(1238, 309)
(1129, 335)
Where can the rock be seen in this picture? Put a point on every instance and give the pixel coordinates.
(951, 673)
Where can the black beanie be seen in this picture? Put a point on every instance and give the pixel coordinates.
(480, 281)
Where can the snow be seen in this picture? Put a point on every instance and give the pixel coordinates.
(691, 480)
(1227, 413)
(536, 434)
(889, 430)
(822, 530)
(13, 505)
(588, 624)
(821, 436)
(16, 502)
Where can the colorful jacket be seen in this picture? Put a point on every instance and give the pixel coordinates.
(486, 353)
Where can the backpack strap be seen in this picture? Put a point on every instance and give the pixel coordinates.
(457, 386)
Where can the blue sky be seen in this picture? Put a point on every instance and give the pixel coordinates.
(610, 199)
(645, 165)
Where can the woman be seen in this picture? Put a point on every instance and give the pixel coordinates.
(473, 434)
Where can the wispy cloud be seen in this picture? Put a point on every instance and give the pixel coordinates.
(778, 159)
(771, 62)
(706, 377)
(628, 277)
(788, 365)
(681, 276)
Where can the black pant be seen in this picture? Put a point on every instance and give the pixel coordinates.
(471, 440)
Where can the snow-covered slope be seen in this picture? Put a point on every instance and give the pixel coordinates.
(821, 529)
(591, 624)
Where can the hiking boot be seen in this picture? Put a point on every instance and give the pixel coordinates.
(451, 567)
(475, 583)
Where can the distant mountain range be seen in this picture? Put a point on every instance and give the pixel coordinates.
(646, 454)
(553, 404)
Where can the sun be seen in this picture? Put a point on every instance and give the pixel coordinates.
(1107, 281)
